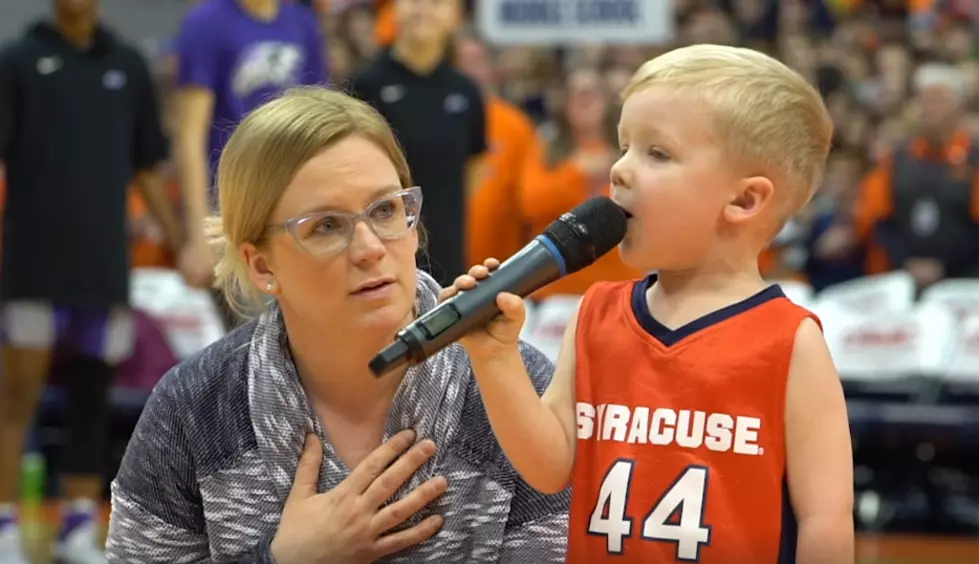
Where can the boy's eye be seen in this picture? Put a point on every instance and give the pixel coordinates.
(623, 150)
(659, 154)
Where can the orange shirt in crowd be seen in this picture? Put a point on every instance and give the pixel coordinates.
(546, 193)
(875, 201)
(145, 251)
(768, 261)
(915, 6)
(495, 226)
(385, 27)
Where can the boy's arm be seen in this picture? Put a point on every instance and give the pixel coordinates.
(537, 526)
(537, 434)
(819, 458)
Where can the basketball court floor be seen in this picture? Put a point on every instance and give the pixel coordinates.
(888, 549)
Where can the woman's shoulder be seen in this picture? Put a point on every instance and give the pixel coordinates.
(207, 392)
(195, 425)
(216, 365)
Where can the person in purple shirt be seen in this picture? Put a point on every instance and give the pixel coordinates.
(232, 55)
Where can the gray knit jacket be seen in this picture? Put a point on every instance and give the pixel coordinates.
(210, 464)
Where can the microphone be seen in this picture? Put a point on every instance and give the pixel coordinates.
(577, 239)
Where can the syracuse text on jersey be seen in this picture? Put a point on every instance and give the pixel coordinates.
(718, 432)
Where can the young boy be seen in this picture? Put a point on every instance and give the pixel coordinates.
(697, 413)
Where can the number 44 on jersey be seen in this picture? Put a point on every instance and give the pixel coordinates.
(686, 496)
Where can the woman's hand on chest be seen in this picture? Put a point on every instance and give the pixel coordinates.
(348, 523)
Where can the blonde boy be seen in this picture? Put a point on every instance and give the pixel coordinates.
(696, 413)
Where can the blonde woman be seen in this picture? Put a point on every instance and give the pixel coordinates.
(277, 443)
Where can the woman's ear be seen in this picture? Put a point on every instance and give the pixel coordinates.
(753, 197)
(259, 268)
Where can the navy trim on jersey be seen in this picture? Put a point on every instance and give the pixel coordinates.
(670, 337)
(790, 528)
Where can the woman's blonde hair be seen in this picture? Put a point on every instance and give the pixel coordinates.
(260, 160)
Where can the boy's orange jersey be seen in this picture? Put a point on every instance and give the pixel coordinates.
(681, 449)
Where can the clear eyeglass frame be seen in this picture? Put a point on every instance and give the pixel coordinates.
(389, 218)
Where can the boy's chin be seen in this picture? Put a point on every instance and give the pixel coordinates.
(633, 256)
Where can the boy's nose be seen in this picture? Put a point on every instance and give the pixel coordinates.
(619, 175)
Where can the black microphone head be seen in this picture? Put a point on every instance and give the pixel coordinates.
(587, 232)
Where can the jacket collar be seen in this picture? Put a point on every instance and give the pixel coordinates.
(430, 401)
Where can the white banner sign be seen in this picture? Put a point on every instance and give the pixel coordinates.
(564, 22)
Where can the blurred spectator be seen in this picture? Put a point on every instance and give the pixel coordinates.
(438, 115)
(496, 228)
(921, 204)
(78, 121)
(525, 74)
(232, 55)
(833, 254)
(570, 163)
(361, 23)
(342, 59)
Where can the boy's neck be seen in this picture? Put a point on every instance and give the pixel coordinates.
(679, 297)
(714, 280)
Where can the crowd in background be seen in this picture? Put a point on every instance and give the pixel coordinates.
(557, 112)
(552, 112)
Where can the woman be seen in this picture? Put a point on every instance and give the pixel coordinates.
(570, 165)
(320, 220)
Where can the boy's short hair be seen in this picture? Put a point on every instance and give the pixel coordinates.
(765, 113)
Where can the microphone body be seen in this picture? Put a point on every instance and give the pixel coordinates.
(569, 244)
(533, 267)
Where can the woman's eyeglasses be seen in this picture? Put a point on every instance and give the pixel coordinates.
(328, 233)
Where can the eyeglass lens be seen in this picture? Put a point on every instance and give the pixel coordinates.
(329, 232)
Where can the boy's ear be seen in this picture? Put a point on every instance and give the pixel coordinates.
(753, 196)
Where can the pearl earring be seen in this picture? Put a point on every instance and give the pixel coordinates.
(269, 286)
